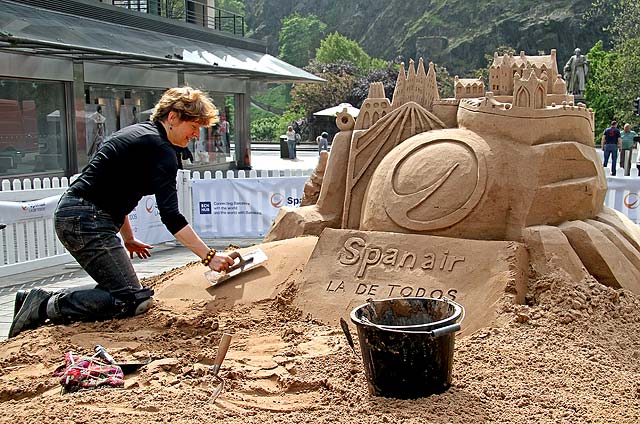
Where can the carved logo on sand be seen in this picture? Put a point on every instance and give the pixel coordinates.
(436, 184)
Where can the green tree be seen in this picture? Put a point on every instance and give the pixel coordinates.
(600, 90)
(614, 76)
(336, 47)
(265, 129)
(233, 6)
(299, 38)
(340, 78)
(445, 81)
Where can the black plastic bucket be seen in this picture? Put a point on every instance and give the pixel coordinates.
(407, 344)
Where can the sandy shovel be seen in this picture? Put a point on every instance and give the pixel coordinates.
(223, 347)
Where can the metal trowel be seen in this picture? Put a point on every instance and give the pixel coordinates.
(242, 263)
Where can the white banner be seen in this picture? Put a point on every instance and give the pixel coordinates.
(14, 212)
(242, 207)
(624, 195)
(144, 219)
(146, 223)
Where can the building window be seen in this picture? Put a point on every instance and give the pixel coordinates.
(111, 108)
(33, 130)
(216, 143)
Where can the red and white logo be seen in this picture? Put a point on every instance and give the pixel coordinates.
(276, 200)
(150, 205)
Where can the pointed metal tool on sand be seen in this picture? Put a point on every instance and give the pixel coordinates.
(223, 347)
(347, 334)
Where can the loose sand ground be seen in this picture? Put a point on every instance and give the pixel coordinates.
(571, 355)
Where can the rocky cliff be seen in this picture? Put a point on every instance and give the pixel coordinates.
(455, 33)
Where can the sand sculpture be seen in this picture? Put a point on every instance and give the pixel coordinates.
(462, 197)
(523, 214)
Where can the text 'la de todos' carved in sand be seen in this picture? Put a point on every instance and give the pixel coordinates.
(388, 290)
(355, 251)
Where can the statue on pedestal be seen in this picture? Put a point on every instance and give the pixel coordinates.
(575, 73)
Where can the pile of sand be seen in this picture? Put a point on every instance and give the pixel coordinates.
(571, 354)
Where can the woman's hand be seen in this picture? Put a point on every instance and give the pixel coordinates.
(220, 262)
(139, 248)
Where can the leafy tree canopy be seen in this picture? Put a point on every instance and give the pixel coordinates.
(600, 90)
(299, 38)
(233, 6)
(340, 77)
(336, 48)
(614, 76)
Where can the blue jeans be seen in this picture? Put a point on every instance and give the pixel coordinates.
(611, 149)
(90, 236)
(291, 144)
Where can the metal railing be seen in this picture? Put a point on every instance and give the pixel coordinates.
(190, 11)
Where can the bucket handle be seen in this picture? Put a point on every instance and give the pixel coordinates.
(444, 330)
(432, 333)
(464, 312)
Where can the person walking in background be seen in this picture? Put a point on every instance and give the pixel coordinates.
(224, 131)
(291, 142)
(611, 142)
(323, 142)
(627, 148)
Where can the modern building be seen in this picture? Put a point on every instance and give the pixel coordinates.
(72, 72)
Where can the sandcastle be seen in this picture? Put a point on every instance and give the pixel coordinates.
(467, 197)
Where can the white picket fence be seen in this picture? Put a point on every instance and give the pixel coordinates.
(30, 245)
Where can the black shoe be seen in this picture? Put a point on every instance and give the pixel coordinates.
(20, 295)
(29, 316)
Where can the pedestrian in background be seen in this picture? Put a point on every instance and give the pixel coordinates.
(291, 142)
(323, 142)
(611, 143)
(627, 148)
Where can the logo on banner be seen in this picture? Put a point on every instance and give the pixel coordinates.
(205, 208)
(631, 200)
(276, 200)
(149, 205)
(34, 207)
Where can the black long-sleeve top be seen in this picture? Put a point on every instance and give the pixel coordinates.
(135, 161)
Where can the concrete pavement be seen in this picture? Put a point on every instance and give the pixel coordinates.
(306, 159)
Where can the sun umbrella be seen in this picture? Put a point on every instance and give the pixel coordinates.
(332, 111)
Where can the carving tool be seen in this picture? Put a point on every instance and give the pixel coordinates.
(223, 347)
(242, 263)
